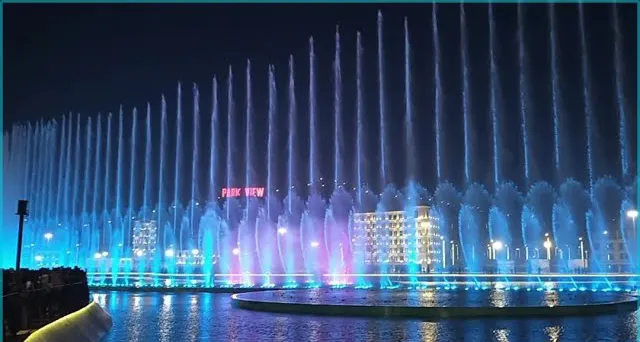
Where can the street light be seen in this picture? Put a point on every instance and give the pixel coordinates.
(547, 244)
(48, 237)
(633, 215)
(282, 230)
(315, 244)
(169, 253)
(444, 253)
(495, 247)
(236, 251)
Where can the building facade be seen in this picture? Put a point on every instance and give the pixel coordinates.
(396, 241)
(145, 236)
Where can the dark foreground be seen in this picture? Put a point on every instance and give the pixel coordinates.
(157, 317)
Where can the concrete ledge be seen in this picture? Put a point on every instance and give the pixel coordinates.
(435, 312)
(88, 324)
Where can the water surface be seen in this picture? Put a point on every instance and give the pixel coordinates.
(160, 317)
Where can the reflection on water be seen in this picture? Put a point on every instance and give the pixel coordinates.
(501, 335)
(154, 317)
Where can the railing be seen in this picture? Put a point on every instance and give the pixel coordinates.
(33, 308)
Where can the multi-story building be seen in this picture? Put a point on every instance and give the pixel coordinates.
(615, 252)
(145, 236)
(393, 241)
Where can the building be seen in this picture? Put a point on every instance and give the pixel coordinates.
(615, 252)
(145, 236)
(384, 240)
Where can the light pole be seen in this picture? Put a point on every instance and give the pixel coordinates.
(48, 237)
(633, 214)
(453, 253)
(496, 246)
(547, 245)
(444, 253)
(22, 212)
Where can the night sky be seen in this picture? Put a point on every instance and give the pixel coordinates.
(91, 59)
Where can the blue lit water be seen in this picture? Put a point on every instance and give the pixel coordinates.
(209, 317)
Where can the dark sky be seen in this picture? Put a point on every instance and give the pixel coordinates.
(93, 58)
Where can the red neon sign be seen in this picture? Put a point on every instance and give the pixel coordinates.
(240, 192)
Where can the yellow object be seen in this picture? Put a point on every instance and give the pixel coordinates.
(88, 324)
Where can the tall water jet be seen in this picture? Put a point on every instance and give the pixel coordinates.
(408, 109)
(494, 102)
(96, 180)
(411, 196)
(359, 120)
(211, 236)
(230, 135)
(249, 217)
(382, 104)
(85, 189)
(161, 166)
(67, 174)
(466, 93)
(51, 146)
(586, 93)
(313, 162)
(226, 248)
(439, 101)
(248, 133)
(213, 145)
(555, 92)
(76, 178)
(270, 138)
(106, 231)
(194, 162)
(146, 195)
(132, 177)
(59, 174)
(358, 266)
(119, 164)
(178, 164)
(621, 101)
(524, 92)
(337, 115)
(292, 134)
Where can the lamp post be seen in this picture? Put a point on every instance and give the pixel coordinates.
(453, 253)
(633, 214)
(444, 253)
(547, 244)
(496, 246)
(22, 212)
(48, 237)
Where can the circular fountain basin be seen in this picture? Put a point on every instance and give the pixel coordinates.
(435, 304)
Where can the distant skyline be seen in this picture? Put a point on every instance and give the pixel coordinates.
(91, 59)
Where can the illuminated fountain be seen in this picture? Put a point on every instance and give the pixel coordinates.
(161, 221)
